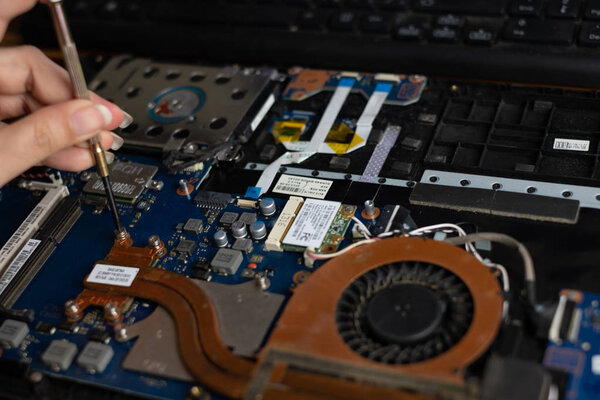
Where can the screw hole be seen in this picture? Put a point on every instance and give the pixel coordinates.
(218, 123)
(197, 77)
(133, 92)
(181, 133)
(154, 131)
(171, 75)
(497, 186)
(149, 72)
(238, 94)
(221, 80)
(465, 182)
(433, 179)
(567, 193)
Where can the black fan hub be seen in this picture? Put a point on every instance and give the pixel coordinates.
(404, 313)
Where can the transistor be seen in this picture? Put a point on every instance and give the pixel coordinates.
(45, 327)
(97, 335)
(193, 226)
(185, 247)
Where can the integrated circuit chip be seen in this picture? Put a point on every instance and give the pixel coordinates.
(129, 180)
(185, 247)
(208, 199)
(193, 226)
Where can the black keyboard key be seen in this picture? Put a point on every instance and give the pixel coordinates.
(376, 23)
(343, 21)
(590, 34)
(481, 36)
(364, 4)
(563, 8)
(331, 3)
(399, 5)
(539, 31)
(444, 34)
(312, 19)
(468, 7)
(226, 14)
(409, 32)
(592, 10)
(450, 20)
(525, 7)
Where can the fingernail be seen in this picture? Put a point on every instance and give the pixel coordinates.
(110, 157)
(127, 120)
(90, 119)
(117, 142)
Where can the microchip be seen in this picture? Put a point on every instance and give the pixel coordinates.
(128, 180)
(185, 247)
(201, 265)
(242, 244)
(12, 333)
(248, 218)
(207, 199)
(99, 336)
(59, 355)
(193, 226)
(228, 218)
(45, 327)
(95, 357)
(68, 326)
(142, 205)
(201, 274)
(227, 261)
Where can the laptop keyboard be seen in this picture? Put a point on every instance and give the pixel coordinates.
(535, 41)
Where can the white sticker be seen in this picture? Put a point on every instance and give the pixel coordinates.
(596, 364)
(571, 144)
(16, 265)
(113, 275)
(301, 186)
(312, 223)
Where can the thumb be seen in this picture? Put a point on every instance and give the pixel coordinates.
(34, 138)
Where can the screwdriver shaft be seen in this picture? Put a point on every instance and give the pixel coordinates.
(73, 65)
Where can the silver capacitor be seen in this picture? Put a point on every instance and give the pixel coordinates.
(220, 238)
(238, 229)
(258, 230)
(267, 206)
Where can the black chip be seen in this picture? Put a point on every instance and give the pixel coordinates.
(207, 199)
(228, 218)
(179, 227)
(268, 152)
(337, 162)
(185, 247)
(97, 335)
(142, 205)
(402, 167)
(68, 326)
(45, 327)
(128, 180)
(248, 218)
(202, 274)
(411, 143)
(193, 226)
(201, 265)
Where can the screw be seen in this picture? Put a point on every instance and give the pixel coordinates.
(154, 242)
(121, 235)
(369, 208)
(85, 176)
(72, 308)
(195, 392)
(111, 312)
(262, 281)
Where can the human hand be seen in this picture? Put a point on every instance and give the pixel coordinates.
(55, 132)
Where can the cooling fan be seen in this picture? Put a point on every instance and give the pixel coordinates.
(405, 306)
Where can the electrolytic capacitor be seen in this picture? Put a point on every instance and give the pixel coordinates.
(220, 238)
(238, 229)
(267, 206)
(258, 230)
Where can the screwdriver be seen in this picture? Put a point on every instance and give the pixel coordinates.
(73, 65)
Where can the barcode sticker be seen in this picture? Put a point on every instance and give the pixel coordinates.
(16, 265)
(113, 275)
(312, 223)
(571, 144)
(301, 186)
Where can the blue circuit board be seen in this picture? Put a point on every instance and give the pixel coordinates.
(89, 240)
(580, 357)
